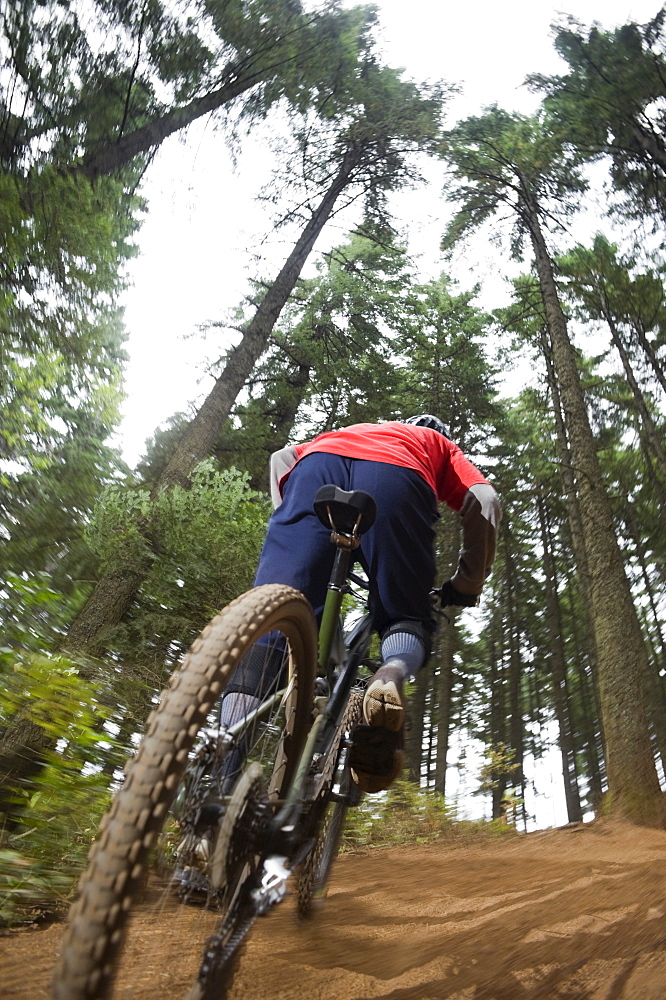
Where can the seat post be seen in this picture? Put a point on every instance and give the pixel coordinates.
(333, 604)
(347, 514)
(340, 568)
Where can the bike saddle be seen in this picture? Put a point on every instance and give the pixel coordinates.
(347, 512)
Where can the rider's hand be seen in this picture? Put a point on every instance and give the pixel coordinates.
(450, 597)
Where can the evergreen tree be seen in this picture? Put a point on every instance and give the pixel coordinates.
(502, 161)
(370, 154)
(611, 102)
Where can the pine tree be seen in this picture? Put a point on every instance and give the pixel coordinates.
(504, 161)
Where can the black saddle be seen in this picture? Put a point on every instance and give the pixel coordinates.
(347, 512)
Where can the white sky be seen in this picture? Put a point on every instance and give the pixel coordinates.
(199, 243)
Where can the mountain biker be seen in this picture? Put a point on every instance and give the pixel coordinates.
(407, 466)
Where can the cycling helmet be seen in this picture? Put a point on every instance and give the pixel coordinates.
(427, 420)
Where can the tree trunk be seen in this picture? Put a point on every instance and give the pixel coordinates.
(567, 473)
(654, 682)
(199, 435)
(648, 350)
(559, 671)
(649, 427)
(285, 418)
(632, 775)
(448, 546)
(443, 686)
(108, 605)
(590, 726)
(498, 715)
(22, 752)
(650, 144)
(416, 727)
(116, 589)
(237, 78)
(516, 728)
(106, 608)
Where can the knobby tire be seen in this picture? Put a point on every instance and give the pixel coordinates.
(119, 863)
(329, 817)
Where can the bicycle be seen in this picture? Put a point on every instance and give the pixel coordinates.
(221, 817)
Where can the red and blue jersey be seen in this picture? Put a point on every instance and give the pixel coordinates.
(437, 460)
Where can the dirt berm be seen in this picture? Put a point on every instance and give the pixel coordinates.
(575, 914)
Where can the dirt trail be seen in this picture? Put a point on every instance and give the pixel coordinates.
(573, 914)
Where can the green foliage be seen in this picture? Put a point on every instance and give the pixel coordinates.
(198, 548)
(509, 163)
(350, 310)
(415, 347)
(114, 530)
(70, 99)
(61, 357)
(33, 613)
(500, 767)
(500, 760)
(408, 814)
(43, 848)
(60, 335)
(310, 58)
(611, 102)
(444, 366)
(208, 540)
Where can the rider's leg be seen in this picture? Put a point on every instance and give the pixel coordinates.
(297, 551)
(377, 757)
(403, 654)
(258, 674)
(398, 553)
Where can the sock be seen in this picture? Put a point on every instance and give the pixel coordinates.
(235, 706)
(404, 651)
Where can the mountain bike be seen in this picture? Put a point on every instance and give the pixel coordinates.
(212, 820)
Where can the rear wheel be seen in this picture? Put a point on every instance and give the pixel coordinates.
(328, 816)
(157, 843)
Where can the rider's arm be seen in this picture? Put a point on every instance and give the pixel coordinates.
(480, 515)
(281, 463)
(466, 490)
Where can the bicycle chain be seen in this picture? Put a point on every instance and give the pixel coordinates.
(353, 713)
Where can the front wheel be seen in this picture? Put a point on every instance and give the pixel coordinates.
(157, 842)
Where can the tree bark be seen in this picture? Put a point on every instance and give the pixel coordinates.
(416, 727)
(588, 695)
(113, 155)
(443, 687)
(448, 545)
(648, 142)
(655, 683)
(632, 775)
(498, 715)
(567, 473)
(516, 727)
(22, 753)
(199, 435)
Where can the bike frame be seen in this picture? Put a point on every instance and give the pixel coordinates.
(326, 724)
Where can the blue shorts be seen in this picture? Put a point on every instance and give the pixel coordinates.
(397, 553)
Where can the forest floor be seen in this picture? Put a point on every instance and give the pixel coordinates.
(577, 913)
